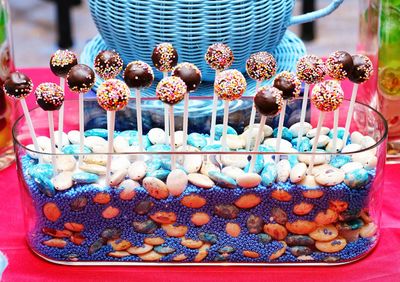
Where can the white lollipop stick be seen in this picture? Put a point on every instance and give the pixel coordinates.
(166, 122)
(225, 125)
(315, 144)
(139, 119)
(61, 115)
(303, 114)
(280, 130)
(110, 128)
(185, 120)
(172, 130)
(257, 142)
(252, 120)
(214, 114)
(81, 127)
(31, 128)
(335, 129)
(52, 138)
(350, 114)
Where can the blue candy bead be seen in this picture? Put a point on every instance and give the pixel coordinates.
(197, 140)
(153, 165)
(286, 134)
(340, 133)
(100, 132)
(211, 148)
(74, 149)
(340, 160)
(356, 178)
(219, 128)
(41, 170)
(305, 144)
(161, 174)
(222, 179)
(258, 165)
(45, 186)
(85, 177)
(269, 174)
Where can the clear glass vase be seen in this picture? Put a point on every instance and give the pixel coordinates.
(214, 219)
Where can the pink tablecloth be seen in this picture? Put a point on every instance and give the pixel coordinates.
(383, 264)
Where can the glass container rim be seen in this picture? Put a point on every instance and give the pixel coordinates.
(377, 143)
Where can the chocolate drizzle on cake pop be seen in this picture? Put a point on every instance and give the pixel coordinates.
(268, 101)
(289, 84)
(49, 96)
(164, 57)
(81, 78)
(62, 61)
(108, 64)
(171, 90)
(261, 66)
(18, 85)
(138, 75)
(362, 70)
(339, 65)
(190, 74)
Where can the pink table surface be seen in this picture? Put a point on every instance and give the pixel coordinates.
(383, 264)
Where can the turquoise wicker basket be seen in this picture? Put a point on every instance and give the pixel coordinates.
(134, 27)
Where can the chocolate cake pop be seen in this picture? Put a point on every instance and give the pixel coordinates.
(113, 95)
(261, 66)
(230, 85)
(138, 75)
(49, 96)
(190, 74)
(81, 79)
(339, 65)
(327, 96)
(18, 85)
(219, 57)
(108, 64)
(289, 84)
(62, 61)
(164, 57)
(311, 69)
(362, 70)
(268, 101)
(171, 90)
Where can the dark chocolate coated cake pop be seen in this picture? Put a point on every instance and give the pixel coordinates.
(18, 85)
(108, 64)
(268, 101)
(62, 61)
(289, 84)
(190, 74)
(49, 96)
(164, 57)
(362, 70)
(138, 75)
(81, 78)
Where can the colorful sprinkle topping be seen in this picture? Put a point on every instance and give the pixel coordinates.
(113, 95)
(339, 64)
(230, 85)
(165, 57)
(219, 56)
(49, 96)
(171, 90)
(327, 96)
(62, 58)
(311, 69)
(108, 64)
(261, 66)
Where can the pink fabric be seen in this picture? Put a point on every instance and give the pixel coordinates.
(383, 264)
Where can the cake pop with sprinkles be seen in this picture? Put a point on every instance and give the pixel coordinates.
(190, 74)
(62, 61)
(229, 85)
(171, 90)
(311, 69)
(113, 95)
(362, 69)
(339, 65)
(108, 64)
(327, 96)
(164, 57)
(81, 78)
(219, 56)
(49, 96)
(261, 66)
(18, 86)
(138, 75)
(290, 86)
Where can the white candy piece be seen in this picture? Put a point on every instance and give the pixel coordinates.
(137, 170)
(295, 128)
(31, 148)
(64, 139)
(339, 146)
(311, 133)
(177, 181)
(208, 166)
(178, 138)
(248, 180)
(298, 172)
(235, 142)
(367, 142)
(232, 171)
(253, 136)
(192, 163)
(351, 166)
(121, 145)
(44, 143)
(351, 148)
(367, 159)
(94, 141)
(309, 181)
(285, 145)
(236, 160)
(283, 170)
(330, 176)
(319, 158)
(356, 137)
(117, 177)
(63, 181)
(200, 180)
(65, 163)
(74, 137)
(156, 136)
(267, 129)
(120, 163)
(323, 140)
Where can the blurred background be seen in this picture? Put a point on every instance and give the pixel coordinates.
(36, 33)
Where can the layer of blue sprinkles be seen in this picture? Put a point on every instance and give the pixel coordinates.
(94, 223)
